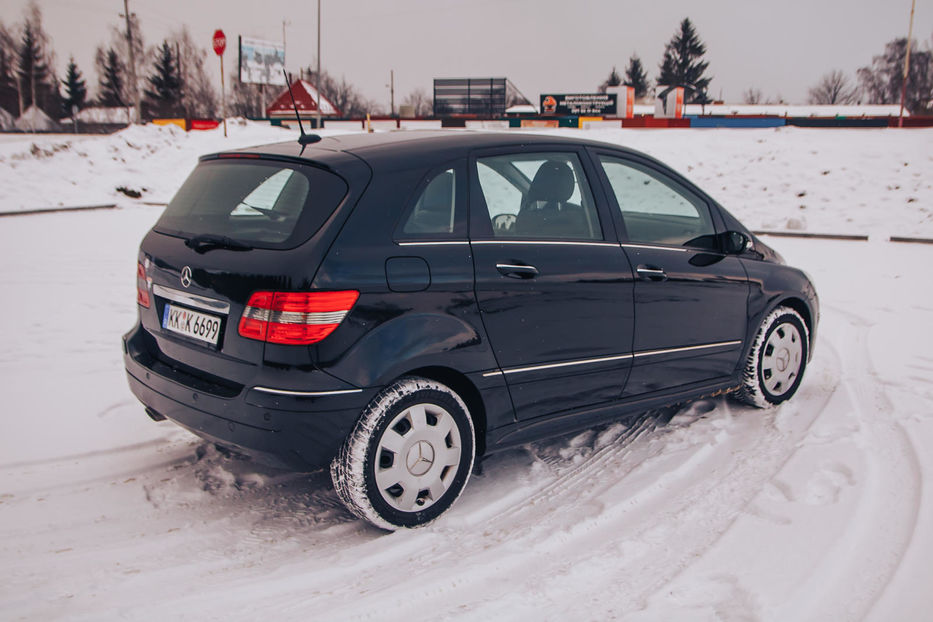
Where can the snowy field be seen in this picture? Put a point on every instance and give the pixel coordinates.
(862, 181)
(821, 509)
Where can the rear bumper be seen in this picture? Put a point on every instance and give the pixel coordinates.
(298, 430)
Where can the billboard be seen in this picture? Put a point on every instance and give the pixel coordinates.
(262, 62)
(586, 104)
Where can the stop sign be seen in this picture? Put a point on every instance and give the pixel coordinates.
(220, 42)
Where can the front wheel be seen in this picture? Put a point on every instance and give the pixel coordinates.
(777, 360)
(409, 456)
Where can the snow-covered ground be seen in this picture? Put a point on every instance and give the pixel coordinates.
(863, 181)
(821, 509)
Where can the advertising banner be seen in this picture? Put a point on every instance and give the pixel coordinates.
(262, 62)
(580, 104)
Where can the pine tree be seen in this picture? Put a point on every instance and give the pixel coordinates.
(163, 98)
(683, 65)
(612, 80)
(636, 77)
(110, 80)
(31, 69)
(75, 89)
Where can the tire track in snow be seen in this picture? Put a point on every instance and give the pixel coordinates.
(636, 501)
(879, 534)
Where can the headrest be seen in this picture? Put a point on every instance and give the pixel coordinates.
(553, 182)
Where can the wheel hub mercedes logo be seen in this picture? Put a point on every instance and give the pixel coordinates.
(783, 359)
(186, 276)
(420, 458)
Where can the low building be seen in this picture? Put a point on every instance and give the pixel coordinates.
(308, 101)
(34, 120)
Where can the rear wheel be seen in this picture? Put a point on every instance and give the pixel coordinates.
(777, 360)
(409, 456)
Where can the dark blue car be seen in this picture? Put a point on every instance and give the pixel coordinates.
(397, 305)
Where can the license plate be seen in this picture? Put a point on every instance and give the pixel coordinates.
(200, 326)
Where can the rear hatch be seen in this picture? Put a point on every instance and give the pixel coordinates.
(240, 226)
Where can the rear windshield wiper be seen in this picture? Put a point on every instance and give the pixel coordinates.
(268, 213)
(208, 242)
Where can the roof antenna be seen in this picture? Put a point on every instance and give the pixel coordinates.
(305, 139)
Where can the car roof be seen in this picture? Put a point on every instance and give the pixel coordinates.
(436, 145)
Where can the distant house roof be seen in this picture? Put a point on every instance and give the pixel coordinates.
(521, 109)
(106, 115)
(34, 120)
(306, 99)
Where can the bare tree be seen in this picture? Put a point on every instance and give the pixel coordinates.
(245, 99)
(421, 102)
(834, 88)
(752, 96)
(344, 95)
(883, 80)
(198, 97)
(119, 43)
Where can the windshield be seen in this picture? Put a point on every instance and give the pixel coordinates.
(260, 203)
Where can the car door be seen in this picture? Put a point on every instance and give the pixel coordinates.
(690, 297)
(554, 290)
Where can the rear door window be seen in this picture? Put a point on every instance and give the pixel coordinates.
(265, 204)
(435, 210)
(538, 196)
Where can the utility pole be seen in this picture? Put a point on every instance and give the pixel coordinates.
(317, 75)
(134, 86)
(392, 92)
(910, 33)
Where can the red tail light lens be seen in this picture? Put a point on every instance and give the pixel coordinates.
(142, 286)
(295, 318)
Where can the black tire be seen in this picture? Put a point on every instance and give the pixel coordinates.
(777, 360)
(409, 456)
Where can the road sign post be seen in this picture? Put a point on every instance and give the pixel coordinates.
(220, 44)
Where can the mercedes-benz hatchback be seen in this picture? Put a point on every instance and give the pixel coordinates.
(395, 305)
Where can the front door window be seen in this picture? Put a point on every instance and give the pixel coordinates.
(654, 210)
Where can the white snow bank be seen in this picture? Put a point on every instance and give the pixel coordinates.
(877, 182)
(818, 180)
(40, 172)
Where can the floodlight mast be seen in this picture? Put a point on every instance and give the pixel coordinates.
(317, 74)
(910, 33)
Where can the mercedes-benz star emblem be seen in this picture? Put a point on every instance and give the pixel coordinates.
(186, 276)
(420, 458)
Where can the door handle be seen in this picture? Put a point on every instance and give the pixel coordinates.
(651, 273)
(517, 271)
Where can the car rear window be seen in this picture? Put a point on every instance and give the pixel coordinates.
(262, 203)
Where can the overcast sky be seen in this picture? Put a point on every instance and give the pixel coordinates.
(542, 46)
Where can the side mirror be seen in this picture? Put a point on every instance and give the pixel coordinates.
(735, 242)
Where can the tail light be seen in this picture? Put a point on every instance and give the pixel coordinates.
(295, 318)
(142, 285)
